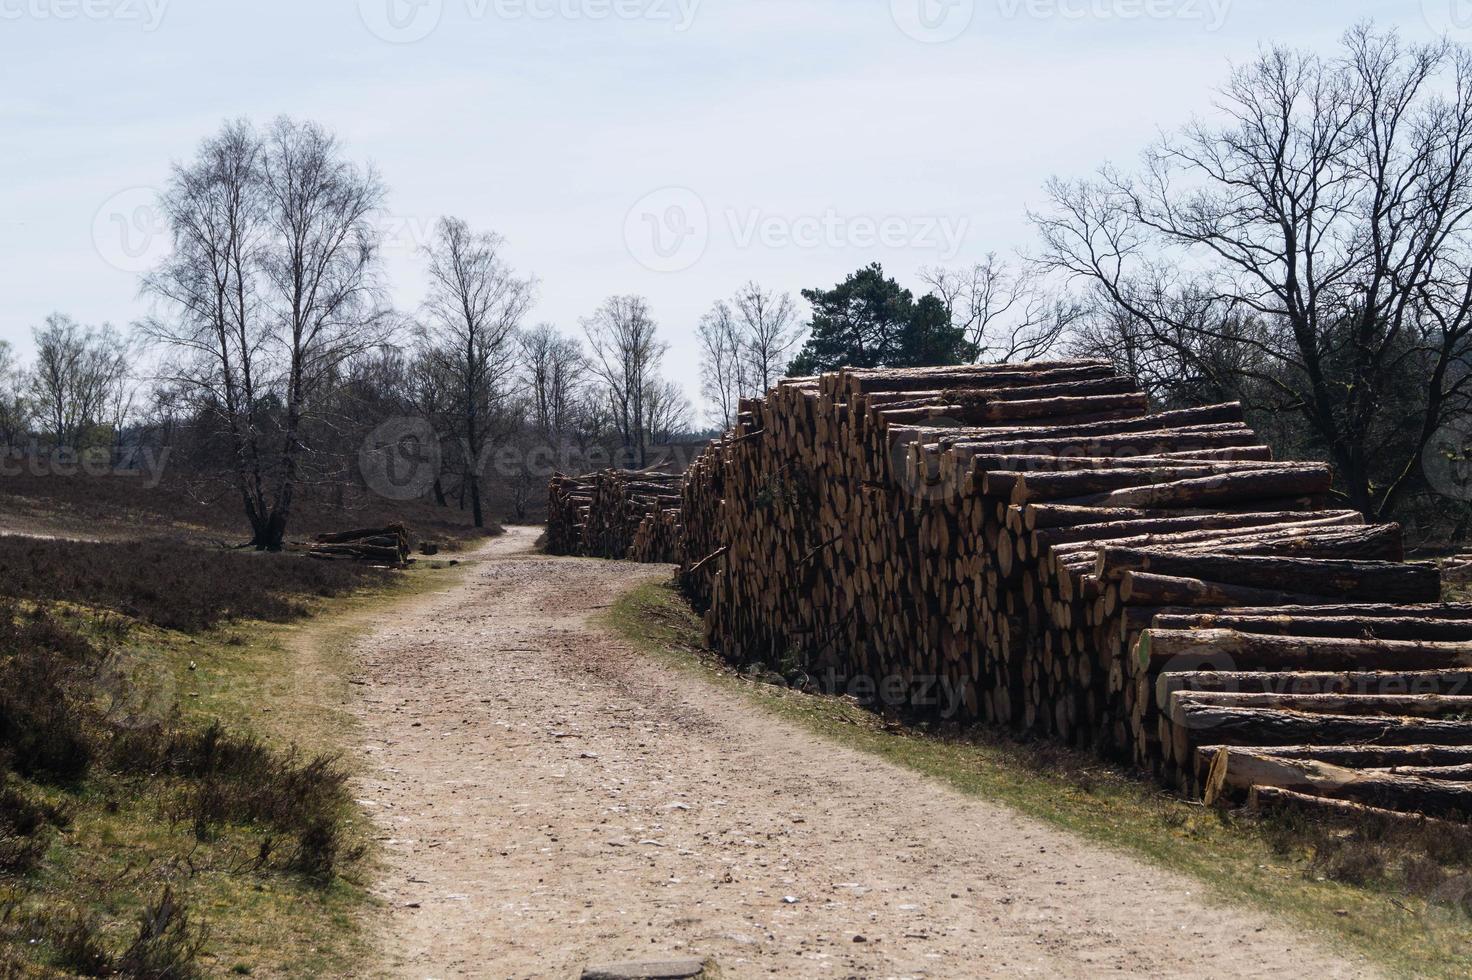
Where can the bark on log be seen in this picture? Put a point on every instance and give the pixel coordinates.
(1159, 650)
(1241, 770)
(1345, 579)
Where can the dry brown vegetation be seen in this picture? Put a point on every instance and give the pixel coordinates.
(193, 800)
(120, 506)
(171, 585)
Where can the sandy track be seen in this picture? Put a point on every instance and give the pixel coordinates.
(549, 798)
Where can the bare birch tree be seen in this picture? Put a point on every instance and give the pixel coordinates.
(15, 408)
(767, 325)
(625, 354)
(555, 376)
(723, 375)
(269, 290)
(79, 381)
(474, 310)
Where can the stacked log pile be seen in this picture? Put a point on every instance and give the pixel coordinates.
(379, 546)
(1333, 707)
(1031, 546)
(568, 501)
(601, 515)
(657, 540)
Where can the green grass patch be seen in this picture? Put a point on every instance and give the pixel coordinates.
(1405, 904)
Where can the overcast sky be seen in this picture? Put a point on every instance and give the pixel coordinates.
(672, 148)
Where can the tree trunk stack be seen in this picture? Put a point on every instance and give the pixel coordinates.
(568, 501)
(378, 546)
(657, 540)
(601, 515)
(1030, 545)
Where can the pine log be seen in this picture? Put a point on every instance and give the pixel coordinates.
(1149, 589)
(1345, 579)
(1271, 798)
(1289, 481)
(1354, 627)
(1159, 650)
(1241, 770)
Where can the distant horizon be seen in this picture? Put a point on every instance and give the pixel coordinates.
(580, 130)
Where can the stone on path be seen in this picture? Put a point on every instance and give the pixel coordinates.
(661, 970)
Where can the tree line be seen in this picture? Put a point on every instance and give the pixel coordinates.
(1304, 249)
(276, 350)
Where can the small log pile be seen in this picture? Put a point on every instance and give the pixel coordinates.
(1030, 545)
(379, 546)
(568, 500)
(657, 540)
(601, 515)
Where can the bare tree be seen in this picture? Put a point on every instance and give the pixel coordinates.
(667, 411)
(555, 374)
(15, 409)
(80, 379)
(269, 291)
(1331, 209)
(745, 347)
(625, 356)
(428, 389)
(723, 365)
(475, 307)
(1006, 312)
(767, 325)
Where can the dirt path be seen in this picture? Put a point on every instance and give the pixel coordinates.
(550, 798)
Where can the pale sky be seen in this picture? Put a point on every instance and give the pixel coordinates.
(671, 148)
